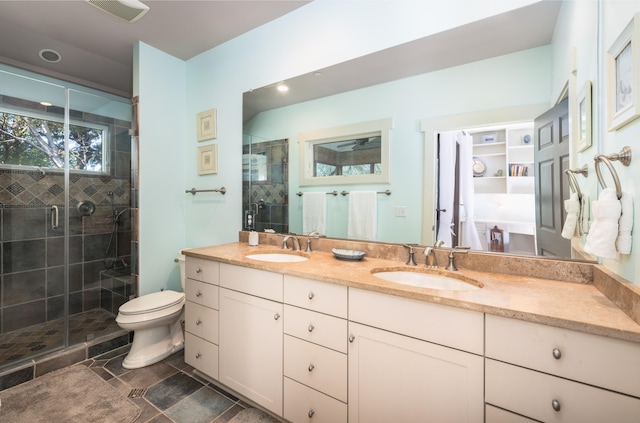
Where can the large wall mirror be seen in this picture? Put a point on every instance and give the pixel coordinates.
(521, 60)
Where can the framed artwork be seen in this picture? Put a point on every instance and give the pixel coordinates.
(208, 159)
(623, 76)
(583, 130)
(206, 122)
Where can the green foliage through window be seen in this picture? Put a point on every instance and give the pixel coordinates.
(36, 142)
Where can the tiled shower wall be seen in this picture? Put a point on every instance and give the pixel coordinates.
(32, 274)
(273, 210)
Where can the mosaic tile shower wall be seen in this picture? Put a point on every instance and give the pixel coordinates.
(32, 275)
(265, 184)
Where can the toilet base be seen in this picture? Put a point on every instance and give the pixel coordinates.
(152, 345)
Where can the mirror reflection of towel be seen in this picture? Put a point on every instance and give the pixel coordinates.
(314, 212)
(363, 215)
(606, 211)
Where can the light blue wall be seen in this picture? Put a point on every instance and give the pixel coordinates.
(160, 84)
(513, 80)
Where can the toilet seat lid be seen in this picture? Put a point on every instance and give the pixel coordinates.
(152, 302)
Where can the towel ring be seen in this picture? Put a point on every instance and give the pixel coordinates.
(573, 182)
(624, 156)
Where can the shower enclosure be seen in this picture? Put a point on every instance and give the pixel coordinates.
(65, 173)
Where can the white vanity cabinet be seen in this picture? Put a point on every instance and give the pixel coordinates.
(558, 375)
(315, 351)
(201, 315)
(251, 334)
(411, 361)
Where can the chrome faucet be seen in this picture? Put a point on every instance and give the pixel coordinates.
(458, 249)
(295, 244)
(410, 261)
(430, 254)
(312, 234)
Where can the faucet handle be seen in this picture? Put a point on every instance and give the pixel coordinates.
(411, 261)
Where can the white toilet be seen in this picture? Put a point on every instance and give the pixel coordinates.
(155, 320)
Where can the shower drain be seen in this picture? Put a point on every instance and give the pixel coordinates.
(137, 392)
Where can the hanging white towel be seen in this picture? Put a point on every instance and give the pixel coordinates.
(584, 215)
(625, 225)
(314, 212)
(601, 240)
(363, 215)
(572, 207)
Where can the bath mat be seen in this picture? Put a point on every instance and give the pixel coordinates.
(252, 415)
(72, 394)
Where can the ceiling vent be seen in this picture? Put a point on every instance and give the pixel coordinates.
(129, 10)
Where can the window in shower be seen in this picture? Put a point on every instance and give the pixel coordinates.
(29, 140)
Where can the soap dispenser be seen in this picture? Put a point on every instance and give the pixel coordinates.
(253, 238)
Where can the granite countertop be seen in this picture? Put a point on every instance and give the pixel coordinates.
(570, 305)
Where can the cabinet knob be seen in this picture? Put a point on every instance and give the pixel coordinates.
(198, 355)
(352, 338)
(276, 316)
(198, 270)
(311, 367)
(557, 354)
(198, 294)
(311, 328)
(556, 405)
(311, 413)
(311, 295)
(198, 322)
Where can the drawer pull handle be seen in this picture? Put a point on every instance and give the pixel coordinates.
(311, 367)
(311, 413)
(352, 338)
(198, 294)
(276, 316)
(556, 405)
(198, 270)
(311, 328)
(557, 354)
(198, 322)
(311, 295)
(198, 355)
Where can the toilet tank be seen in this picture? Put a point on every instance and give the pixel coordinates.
(180, 259)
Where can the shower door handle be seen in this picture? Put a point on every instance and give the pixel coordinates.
(54, 217)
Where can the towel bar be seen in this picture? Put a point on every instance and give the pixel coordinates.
(624, 157)
(193, 191)
(334, 193)
(573, 182)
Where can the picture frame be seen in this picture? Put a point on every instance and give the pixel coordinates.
(583, 112)
(206, 125)
(623, 76)
(208, 159)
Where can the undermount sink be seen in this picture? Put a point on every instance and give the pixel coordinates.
(277, 257)
(424, 279)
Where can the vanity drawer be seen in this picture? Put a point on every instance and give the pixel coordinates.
(202, 270)
(498, 415)
(448, 326)
(314, 295)
(321, 329)
(201, 321)
(320, 368)
(532, 394)
(251, 281)
(303, 404)
(201, 354)
(597, 360)
(202, 293)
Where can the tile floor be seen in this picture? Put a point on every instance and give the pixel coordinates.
(167, 391)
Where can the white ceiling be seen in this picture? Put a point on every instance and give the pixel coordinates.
(97, 49)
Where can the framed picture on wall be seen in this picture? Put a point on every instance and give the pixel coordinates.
(206, 122)
(583, 118)
(208, 159)
(623, 76)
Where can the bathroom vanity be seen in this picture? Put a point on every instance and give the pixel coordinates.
(323, 340)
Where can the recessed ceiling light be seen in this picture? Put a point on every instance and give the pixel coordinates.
(46, 103)
(50, 56)
(317, 74)
(283, 88)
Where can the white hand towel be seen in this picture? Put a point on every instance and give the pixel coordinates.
(584, 215)
(601, 240)
(314, 212)
(363, 215)
(572, 207)
(625, 225)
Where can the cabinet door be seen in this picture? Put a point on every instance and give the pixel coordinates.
(251, 336)
(394, 378)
